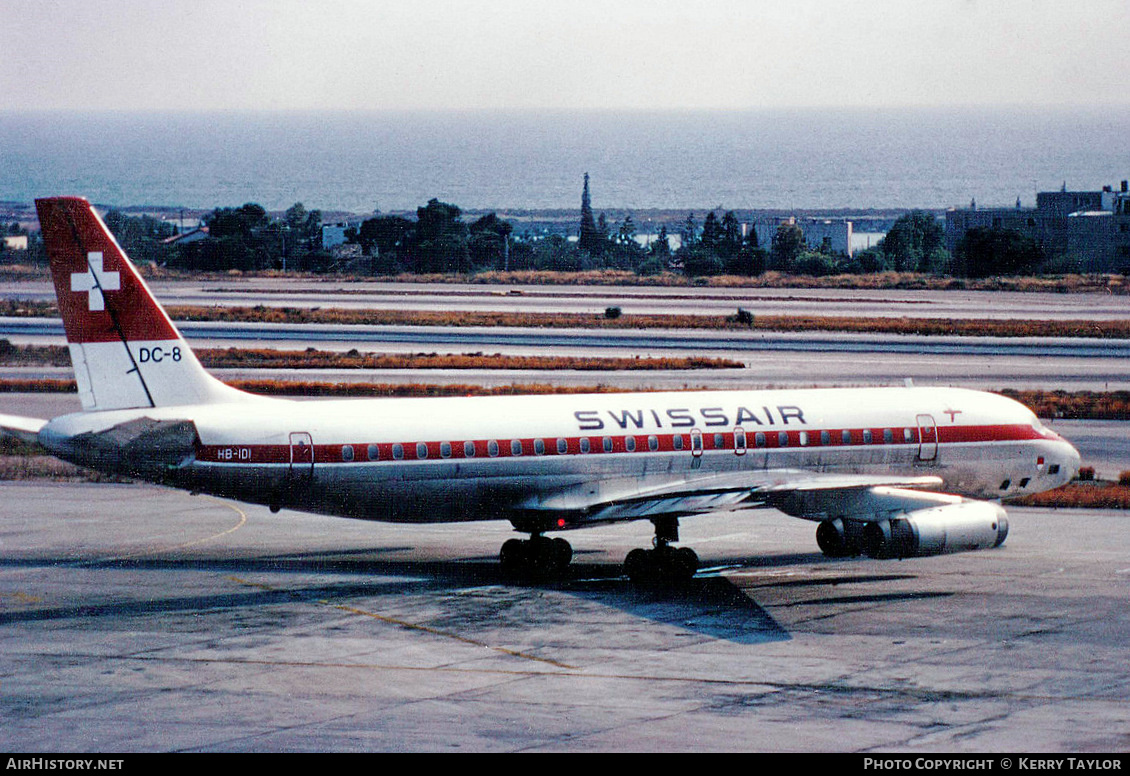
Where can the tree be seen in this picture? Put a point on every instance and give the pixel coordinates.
(689, 232)
(601, 235)
(788, 245)
(983, 252)
(661, 248)
(749, 260)
(627, 231)
(390, 239)
(305, 225)
(139, 236)
(730, 237)
(489, 242)
(239, 222)
(591, 240)
(441, 238)
(699, 260)
(711, 233)
(912, 239)
(239, 239)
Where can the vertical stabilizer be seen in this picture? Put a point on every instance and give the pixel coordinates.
(126, 351)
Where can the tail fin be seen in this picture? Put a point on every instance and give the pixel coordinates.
(126, 351)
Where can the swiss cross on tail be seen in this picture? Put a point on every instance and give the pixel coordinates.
(101, 296)
(126, 351)
(95, 281)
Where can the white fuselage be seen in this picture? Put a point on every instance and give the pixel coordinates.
(451, 459)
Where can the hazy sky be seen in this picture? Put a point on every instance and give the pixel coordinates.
(356, 54)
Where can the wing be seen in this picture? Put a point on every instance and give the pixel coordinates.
(811, 495)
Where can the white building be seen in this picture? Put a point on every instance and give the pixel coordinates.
(333, 235)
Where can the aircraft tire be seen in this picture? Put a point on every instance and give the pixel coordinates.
(638, 566)
(562, 553)
(512, 556)
(686, 563)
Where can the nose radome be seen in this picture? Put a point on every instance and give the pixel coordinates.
(1072, 461)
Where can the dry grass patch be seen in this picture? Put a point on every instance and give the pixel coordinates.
(1081, 495)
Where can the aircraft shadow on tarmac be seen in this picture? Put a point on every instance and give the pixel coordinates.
(710, 604)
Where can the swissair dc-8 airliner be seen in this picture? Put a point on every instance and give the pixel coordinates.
(885, 472)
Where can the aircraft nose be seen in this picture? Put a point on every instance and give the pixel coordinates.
(1071, 461)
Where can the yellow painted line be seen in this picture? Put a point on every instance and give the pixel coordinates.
(143, 553)
(417, 627)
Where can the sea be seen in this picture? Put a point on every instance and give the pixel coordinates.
(365, 162)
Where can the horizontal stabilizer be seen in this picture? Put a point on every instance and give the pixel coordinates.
(130, 447)
(24, 429)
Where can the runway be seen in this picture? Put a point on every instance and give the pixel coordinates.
(686, 300)
(633, 340)
(139, 619)
(769, 369)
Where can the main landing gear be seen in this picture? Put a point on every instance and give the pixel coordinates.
(540, 556)
(663, 563)
(537, 555)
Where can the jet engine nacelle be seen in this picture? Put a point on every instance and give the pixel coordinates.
(969, 525)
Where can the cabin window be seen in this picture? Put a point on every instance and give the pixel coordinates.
(374, 453)
(653, 443)
(492, 448)
(630, 444)
(586, 446)
(398, 451)
(739, 440)
(562, 446)
(845, 435)
(515, 446)
(347, 452)
(908, 435)
(607, 444)
(867, 438)
(677, 441)
(539, 447)
(421, 450)
(888, 436)
(468, 449)
(825, 437)
(782, 439)
(803, 438)
(445, 450)
(759, 439)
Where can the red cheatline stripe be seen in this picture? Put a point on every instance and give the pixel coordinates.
(620, 444)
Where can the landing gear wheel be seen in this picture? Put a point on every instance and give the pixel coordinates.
(638, 565)
(686, 563)
(536, 556)
(512, 556)
(663, 564)
(562, 553)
